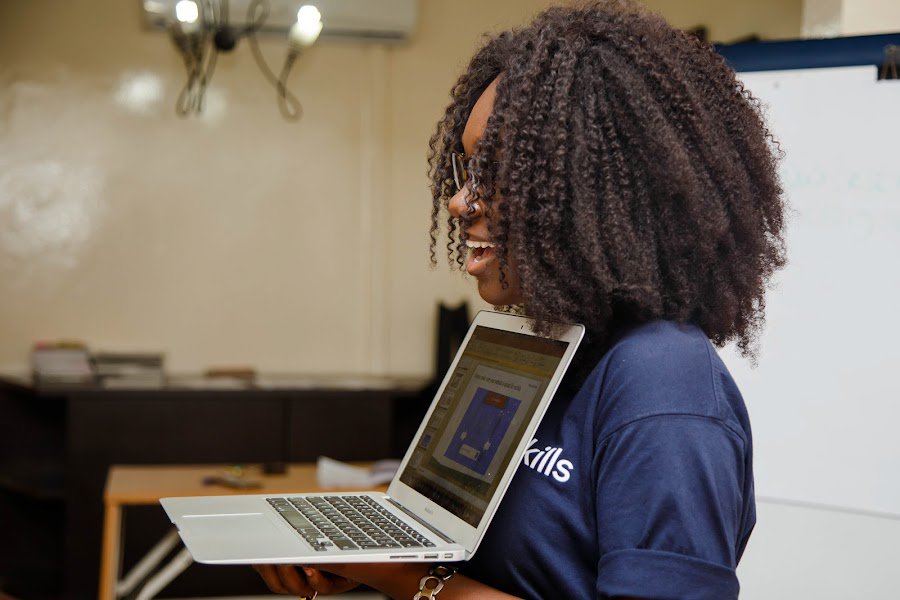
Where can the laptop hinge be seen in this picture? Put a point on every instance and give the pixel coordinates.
(420, 521)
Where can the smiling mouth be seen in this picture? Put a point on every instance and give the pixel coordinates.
(477, 250)
(478, 254)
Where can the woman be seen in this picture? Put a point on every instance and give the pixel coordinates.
(600, 167)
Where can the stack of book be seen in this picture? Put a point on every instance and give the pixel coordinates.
(64, 363)
(129, 370)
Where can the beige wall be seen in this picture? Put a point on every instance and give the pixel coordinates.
(864, 17)
(731, 20)
(828, 18)
(238, 238)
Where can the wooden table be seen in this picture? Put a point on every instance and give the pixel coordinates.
(133, 485)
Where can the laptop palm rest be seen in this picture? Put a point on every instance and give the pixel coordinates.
(217, 537)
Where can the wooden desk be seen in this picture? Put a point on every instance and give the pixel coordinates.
(134, 485)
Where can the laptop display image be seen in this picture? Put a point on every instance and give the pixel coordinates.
(449, 483)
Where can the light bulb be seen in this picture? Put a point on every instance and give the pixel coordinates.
(307, 28)
(186, 11)
(308, 13)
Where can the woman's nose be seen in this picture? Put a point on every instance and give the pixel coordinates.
(458, 206)
(463, 205)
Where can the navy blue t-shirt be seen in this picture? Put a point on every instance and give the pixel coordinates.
(638, 484)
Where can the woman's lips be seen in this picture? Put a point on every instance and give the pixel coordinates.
(478, 260)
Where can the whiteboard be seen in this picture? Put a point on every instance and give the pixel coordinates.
(824, 400)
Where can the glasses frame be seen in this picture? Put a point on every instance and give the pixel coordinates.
(460, 172)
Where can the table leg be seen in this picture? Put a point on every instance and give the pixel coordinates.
(164, 576)
(145, 566)
(110, 558)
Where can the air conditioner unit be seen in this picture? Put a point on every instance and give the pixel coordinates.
(378, 20)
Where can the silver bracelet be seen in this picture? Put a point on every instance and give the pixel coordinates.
(431, 584)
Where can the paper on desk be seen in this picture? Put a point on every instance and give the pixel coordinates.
(334, 473)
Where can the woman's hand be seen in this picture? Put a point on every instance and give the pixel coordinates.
(393, 579)
(303, 581)
(396, 580)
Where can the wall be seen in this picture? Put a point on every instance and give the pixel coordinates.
(238, 238)
(218, 240)
(830, 18)
(733, 20)
(799, 552)
(865, 17)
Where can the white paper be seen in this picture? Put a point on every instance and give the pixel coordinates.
(334, 473)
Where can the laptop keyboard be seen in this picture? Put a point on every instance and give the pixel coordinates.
(347, 523)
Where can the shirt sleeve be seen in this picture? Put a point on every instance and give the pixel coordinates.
(669, 507)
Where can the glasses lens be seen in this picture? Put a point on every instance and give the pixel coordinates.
(459, 171)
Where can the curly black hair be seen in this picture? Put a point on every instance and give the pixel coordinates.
(638, 177)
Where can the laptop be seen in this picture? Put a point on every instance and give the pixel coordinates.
(449, 483)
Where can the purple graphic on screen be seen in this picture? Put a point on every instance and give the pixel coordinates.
(482, 429)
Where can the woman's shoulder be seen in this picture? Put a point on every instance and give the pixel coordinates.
(664, 348)
(663, 369)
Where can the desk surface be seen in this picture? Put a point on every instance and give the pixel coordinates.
(146, 484)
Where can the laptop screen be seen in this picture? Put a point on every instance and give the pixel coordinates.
(481, 416)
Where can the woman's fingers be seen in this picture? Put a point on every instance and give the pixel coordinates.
(295, 581)
(285, 579)
(270, 576)
(302, 581)
(328, 583)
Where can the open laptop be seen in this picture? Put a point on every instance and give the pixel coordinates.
(448, 485)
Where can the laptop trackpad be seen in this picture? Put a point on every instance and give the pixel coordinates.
(237, 536)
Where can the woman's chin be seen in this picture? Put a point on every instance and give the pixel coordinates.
(494, 293)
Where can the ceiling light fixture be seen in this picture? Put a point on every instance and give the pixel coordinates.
(202, 29)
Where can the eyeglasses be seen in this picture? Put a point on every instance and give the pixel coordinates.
(460, 173)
